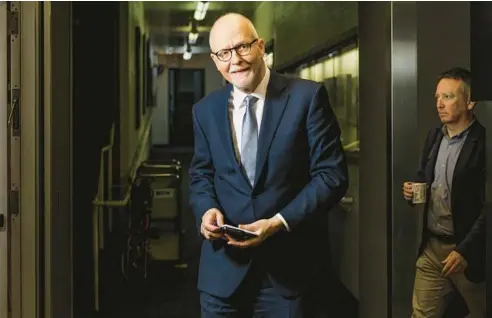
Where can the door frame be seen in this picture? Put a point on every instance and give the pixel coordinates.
(4, 188)
(173, 78)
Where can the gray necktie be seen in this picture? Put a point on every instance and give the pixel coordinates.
(249, 139)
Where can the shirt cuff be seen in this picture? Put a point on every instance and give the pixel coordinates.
(283, 221)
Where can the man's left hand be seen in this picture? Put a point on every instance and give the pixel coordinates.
(263, 228)
(454, 263)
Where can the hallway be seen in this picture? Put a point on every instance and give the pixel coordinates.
(96, 96)
(169, 291)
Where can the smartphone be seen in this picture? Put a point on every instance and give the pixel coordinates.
(237, 233)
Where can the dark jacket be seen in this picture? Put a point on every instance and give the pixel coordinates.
(301, 173)
(467, 196)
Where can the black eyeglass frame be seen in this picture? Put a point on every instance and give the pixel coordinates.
(235, 48)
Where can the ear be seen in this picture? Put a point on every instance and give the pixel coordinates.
(261, 46)
(470, 105)
(215, 59)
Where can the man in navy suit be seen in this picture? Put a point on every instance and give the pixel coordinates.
(268, 158)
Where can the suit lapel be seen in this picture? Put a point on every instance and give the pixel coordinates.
(466, 151)
(275, 103)
(224, 125)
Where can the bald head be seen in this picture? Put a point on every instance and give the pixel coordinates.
(237, 51)
(229, 26)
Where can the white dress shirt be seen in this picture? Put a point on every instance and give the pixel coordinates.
(237, 110)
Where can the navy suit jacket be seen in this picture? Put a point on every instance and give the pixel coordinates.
(301, 173)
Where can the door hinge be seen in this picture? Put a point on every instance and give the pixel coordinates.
(13, 22)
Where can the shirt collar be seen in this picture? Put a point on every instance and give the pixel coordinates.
(259, 92)
(461, 134)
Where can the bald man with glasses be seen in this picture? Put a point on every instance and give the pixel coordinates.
(268, 159)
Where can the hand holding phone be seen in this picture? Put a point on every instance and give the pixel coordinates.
(238, 234)
(209, 228)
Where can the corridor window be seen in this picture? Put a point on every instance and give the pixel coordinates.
(305, 74)
(339, 72)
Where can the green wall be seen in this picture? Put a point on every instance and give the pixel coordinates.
(298, 26)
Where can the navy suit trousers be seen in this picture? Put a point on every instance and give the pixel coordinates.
(255, 298)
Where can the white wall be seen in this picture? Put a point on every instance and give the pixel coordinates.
(160, 119)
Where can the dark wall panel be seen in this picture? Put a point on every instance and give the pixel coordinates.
(481, 49)
(95, 107)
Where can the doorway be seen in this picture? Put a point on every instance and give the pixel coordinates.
(186, 88)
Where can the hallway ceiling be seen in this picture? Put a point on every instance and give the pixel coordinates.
(170, 22)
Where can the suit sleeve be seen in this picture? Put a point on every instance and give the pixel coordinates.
(477, 232)
(328, 167)
(201, 174)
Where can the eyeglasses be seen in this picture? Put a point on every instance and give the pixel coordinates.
(241, 49)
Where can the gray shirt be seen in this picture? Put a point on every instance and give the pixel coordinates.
(439, 217)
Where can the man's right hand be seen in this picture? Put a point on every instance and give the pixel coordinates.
(408, 190)
(212, 220)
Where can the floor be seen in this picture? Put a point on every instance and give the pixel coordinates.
(169, 291)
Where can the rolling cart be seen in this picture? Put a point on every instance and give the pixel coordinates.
(165, 230)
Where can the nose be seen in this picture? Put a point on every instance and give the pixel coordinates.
(439, 103)
(235, 58)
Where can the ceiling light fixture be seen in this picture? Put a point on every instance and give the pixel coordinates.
(193, 36)
(201, 10)
(187, 53)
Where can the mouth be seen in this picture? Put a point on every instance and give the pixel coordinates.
(240, 71)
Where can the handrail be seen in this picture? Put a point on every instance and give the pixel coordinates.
(352, 146)
(137, 159)
(150, 162)
(97, 217)
(159, 175)
(111, 141)
(124, 202)
(132, 174)
(162, 166)
(98, 203)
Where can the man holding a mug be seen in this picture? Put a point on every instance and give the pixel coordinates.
(450, 183)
